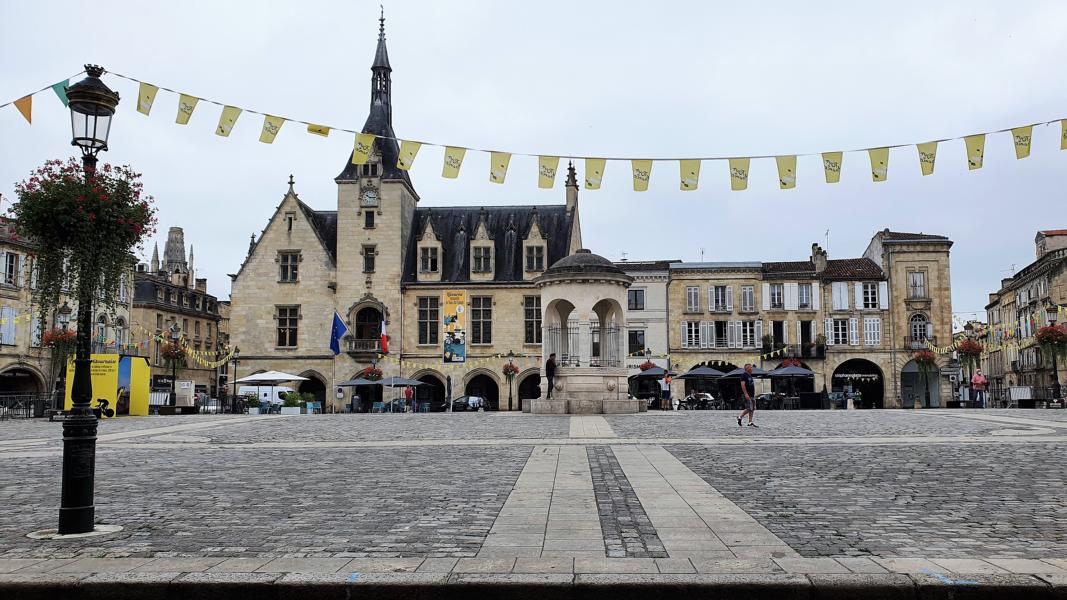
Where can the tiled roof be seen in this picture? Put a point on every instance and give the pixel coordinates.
(1055, 232)
(910, 237)
(803, 266)
(645, 265)
(851, 268)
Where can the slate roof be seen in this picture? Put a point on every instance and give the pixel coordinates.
(645, 265)
(506, 226)
(583, 262)
(324, 222)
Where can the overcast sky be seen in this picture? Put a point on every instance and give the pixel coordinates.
(581, 78)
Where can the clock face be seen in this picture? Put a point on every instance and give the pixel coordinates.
(370, 198)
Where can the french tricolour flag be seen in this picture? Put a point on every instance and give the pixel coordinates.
(385, 339)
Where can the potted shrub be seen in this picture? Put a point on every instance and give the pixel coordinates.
(291, 403)
(252, 403)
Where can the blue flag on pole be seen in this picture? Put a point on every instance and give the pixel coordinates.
(336, 332)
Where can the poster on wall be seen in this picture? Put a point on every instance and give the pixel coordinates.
(455, 322)
(121, 380)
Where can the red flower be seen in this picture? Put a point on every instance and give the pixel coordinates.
(92, 216)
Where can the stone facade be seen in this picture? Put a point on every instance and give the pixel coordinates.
(646, 312)
(169, 293)
(1024, 303)
(383, 260)
(847, 320)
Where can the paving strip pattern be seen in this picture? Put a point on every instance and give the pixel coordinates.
(628, 532)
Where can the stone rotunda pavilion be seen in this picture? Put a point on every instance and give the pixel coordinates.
(582, 299)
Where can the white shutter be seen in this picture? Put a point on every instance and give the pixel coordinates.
(883, 295)
(872, 331)
(711, 334)
(766, 296)
(703, 334)
(829, 323)
(33, 273)
(800, 334)
(816, 294)
(930, 330)
(759, 334)
(785, 331)
(792, 296)
(685, 340)
(7, 329)
(859, 294)
(711, 298)
(729, 298)
(835, 296)
(731, 335)
(853, 332)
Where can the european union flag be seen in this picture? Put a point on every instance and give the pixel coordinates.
(336, 332)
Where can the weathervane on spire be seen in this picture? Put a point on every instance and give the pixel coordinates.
(381, 23)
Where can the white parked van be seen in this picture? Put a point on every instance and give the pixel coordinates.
(265, 393)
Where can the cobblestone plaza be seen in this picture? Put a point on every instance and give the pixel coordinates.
(920, 493)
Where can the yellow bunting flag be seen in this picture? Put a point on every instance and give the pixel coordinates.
(975, 150)
(879, 163)
(271, 126)
(364, 147)
(227, 120)
(787, 171)
(408, 150)
(498, 166)
(689, 173)
(831, 166)
(1021, 136)
(186, 105)
(738, 174)
(594, 173)
(322, 130)
(927, 156)
(1063, 134)
(453, 161)
(642, 172)
(546, 171)
(25, 106)
(146, 97)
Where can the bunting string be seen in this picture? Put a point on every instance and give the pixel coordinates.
(595, 166)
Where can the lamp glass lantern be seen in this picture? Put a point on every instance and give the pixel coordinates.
(64, 315)
(92, 105)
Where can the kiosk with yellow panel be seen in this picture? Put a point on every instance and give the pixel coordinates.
(121, 380)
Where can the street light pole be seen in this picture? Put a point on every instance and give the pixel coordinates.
(92, 104)
(174, 337)
(511, 377)
(1052, 315)
(236, 354)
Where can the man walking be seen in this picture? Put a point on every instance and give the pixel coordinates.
(665, 393)
(550, 372)
(748, 388)
(978, 384)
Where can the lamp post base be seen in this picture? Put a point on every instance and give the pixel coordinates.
(77, 512)
(53, 534)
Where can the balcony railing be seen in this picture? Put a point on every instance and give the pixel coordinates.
(363, 346)
(919, 343)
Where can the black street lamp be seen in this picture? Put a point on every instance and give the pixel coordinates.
(511, 376)
(92, 104)
(1052, 314)
(63, 315)
(236, 355)
(175, 335)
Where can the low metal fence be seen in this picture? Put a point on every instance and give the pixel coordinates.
(24, 406)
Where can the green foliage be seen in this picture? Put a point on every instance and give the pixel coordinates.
(84, 227)
(290, 399)
(251, 401)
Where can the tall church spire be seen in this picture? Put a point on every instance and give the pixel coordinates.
(381, 92)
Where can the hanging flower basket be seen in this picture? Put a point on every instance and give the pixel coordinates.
(1052, 335)
(646, 365)
(84, 226)
(510, 370)
(371, 373)
(59, 338)
(172, 351)
(969, 349)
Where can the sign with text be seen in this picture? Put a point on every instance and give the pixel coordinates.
(455, 324)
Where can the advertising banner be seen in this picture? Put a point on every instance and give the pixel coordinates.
(455, 322)
(121, 380)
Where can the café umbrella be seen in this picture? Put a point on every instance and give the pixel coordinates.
(269, 379)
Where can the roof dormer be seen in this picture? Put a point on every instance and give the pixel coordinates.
(483, 251)
(534, 249)
(429, 253)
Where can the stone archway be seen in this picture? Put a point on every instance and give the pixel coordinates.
(315, 384)
(529, 386)
(911, 387)
(363, 397)
(862, 376)
(21, 379)
(432, 394)
(481, 383)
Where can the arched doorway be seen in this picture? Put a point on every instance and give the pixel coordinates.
(861, 376)
(364, 396)
(486, 387)
(368, 329)
(911, 386)
(314, 385)
(529, 388)
(432, 394)
(21, 380)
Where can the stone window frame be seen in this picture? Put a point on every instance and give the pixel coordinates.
(368, 219)
(428, 312)
(479, 322)
(925, 284)
(635, 299)
(369, 252)
(475, 247)
(534, 324)
(529, 251)
(292, 325)
(629, 341)
(776, 288)
(434, 256)
(869, 298)
(284, 259)
(692, 299)
(290, 218)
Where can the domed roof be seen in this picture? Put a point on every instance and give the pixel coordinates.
(583, 262)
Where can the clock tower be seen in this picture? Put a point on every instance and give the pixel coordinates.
(375, 209)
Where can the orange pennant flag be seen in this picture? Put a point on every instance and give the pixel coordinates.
(25, 106)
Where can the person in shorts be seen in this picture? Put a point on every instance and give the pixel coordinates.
(748, 388)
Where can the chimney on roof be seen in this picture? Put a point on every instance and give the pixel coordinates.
(1004, 283)
(201, 284)
(818, 258)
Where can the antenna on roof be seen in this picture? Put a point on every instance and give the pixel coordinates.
(701, 255)
(827, 244)
(624, 256)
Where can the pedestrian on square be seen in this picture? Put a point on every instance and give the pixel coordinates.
(978, 384)
(409, 395)
(748, 388)
(550, 372)
(665, 393)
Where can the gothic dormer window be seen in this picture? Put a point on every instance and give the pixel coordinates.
(534, 250)
(429, 253)
(482, 249)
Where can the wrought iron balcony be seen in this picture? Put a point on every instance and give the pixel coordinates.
(919, 343)
(356, 346)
